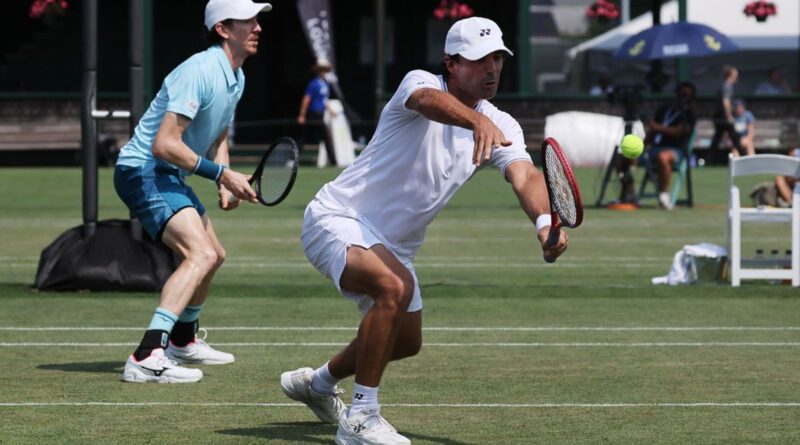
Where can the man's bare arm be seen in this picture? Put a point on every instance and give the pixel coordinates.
(168, 144)
(443, 107)
(528, 184)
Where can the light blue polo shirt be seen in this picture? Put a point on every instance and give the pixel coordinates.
(205, 89)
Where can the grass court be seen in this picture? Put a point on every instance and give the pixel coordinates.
(585, 351)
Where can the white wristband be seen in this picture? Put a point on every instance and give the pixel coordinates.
(543, 221)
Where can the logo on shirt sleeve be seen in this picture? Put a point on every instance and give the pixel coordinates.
(193, 106)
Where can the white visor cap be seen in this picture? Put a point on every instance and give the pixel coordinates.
(219, 10)
(473, 38)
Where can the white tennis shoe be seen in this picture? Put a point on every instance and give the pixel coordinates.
(198, 352)
(297, 386)
(368, 427)
(157, 368)
(664, 201)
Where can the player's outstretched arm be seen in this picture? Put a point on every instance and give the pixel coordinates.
(443, 107)
(528, 184)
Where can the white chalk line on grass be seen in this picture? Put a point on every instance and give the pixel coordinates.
(423, 405)
(430, 328)
(445, 345)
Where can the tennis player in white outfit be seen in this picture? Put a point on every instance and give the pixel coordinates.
(363, 229)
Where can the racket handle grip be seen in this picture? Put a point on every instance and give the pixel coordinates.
(552, 240)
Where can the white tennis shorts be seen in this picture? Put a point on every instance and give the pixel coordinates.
(326, 238)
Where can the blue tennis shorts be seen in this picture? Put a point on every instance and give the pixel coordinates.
(154, 194)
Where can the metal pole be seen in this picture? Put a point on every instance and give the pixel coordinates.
(88, 124)
(626, 11)
(380, 16)
(136, 82)
(136, 73)
(147, 51)
(524, 47)
(683, 62)
(656, 66)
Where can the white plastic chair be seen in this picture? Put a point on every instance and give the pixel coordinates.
(762, 165)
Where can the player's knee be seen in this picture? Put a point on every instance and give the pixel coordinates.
(221, 255)
(205, 258)
(396, 293)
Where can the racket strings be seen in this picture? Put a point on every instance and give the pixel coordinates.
(563, 198)
(278, 172)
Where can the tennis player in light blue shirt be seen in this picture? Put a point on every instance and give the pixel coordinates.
(188, 119)
(204, 80)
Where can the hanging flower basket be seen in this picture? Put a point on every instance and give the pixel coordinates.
(47, 9)
(603, 11)
(452, 10)
(761, 10)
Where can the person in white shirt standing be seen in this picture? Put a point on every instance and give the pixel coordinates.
(363, 229)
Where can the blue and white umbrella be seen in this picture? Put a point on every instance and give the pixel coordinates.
(680, 39)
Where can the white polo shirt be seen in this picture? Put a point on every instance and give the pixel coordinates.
(411, 168)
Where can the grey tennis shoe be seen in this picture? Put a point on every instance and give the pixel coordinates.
(297, 386)
(368, 427)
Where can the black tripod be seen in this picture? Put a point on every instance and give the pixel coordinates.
(629, 96)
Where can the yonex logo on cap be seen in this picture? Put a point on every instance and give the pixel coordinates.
(474, 38)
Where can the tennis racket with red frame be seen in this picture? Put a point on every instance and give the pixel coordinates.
(566, 208)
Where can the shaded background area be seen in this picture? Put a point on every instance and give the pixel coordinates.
(39, 56)
(40, 63)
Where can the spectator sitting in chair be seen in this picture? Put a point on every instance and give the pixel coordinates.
(785, 184)
(667, 135)
(776, 193)
(744, 124)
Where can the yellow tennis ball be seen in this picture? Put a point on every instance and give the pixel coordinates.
(632, 146)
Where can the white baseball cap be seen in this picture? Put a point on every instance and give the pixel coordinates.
(474, 38)
(219, 10)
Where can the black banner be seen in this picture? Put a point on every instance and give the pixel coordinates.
(316, 18)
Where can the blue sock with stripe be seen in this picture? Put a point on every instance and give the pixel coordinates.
(163, 320)
(157, 334)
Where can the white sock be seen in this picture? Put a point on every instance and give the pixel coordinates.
(323, 382)
(663, 196)
(363, 397)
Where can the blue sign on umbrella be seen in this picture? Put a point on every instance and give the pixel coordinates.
(680, 39)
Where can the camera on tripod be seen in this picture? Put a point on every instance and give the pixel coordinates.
(629, 96)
